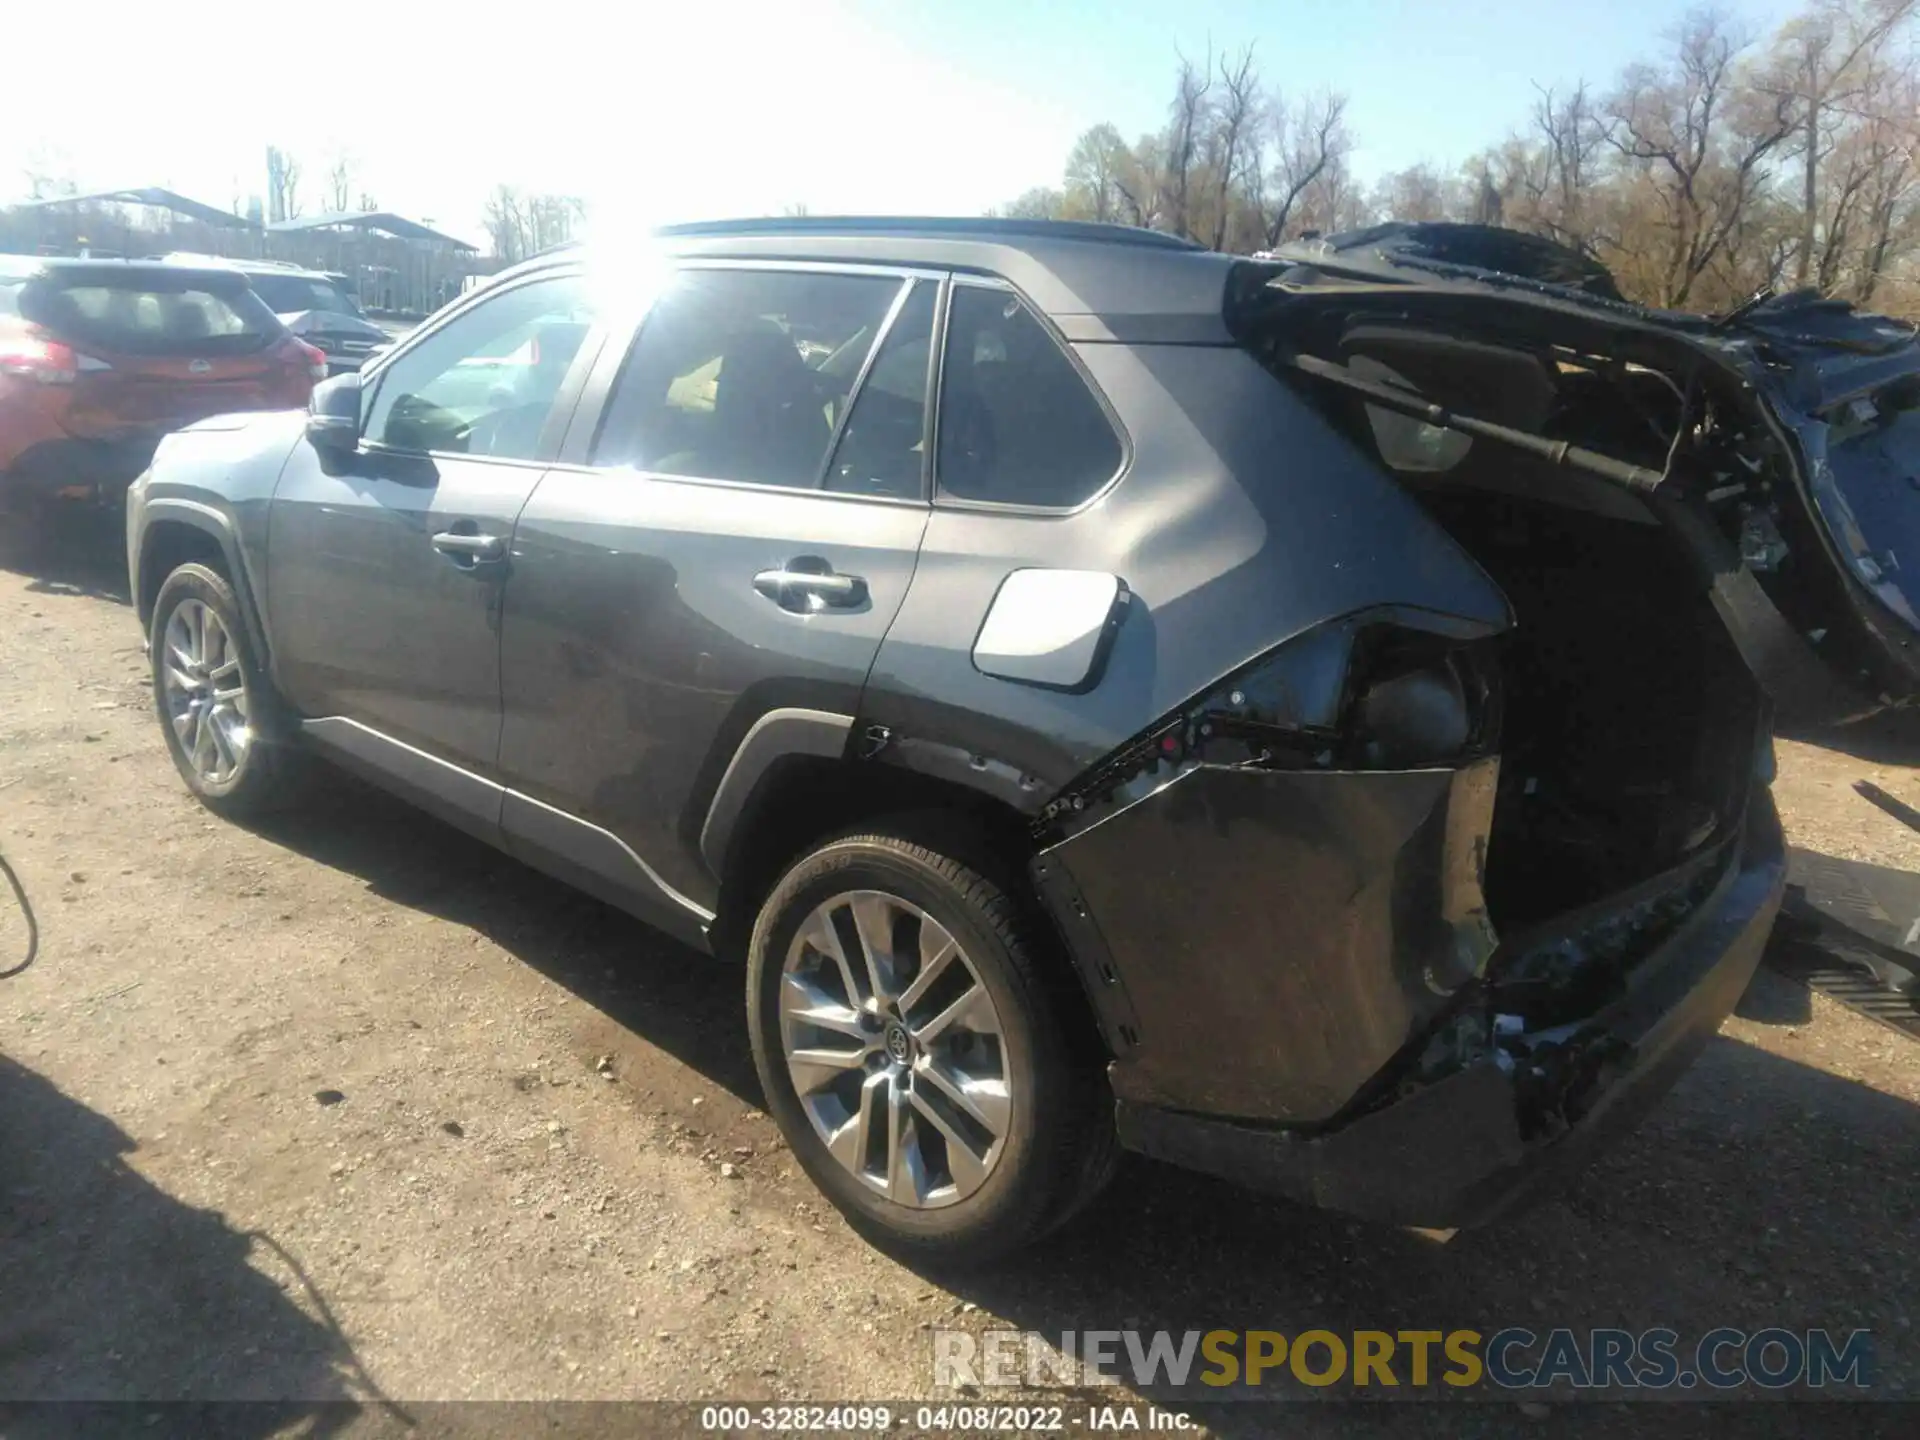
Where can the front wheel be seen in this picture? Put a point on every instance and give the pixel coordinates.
(217, 708)
(913, 1052)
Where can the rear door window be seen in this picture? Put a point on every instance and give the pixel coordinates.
(1018, 425)
(882, 451)
(744, 375)
(147, 315)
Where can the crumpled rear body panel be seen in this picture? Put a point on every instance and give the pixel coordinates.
(1308, 924)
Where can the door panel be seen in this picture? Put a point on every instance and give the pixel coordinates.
(371, 621)
(385, 566)
(638, 650)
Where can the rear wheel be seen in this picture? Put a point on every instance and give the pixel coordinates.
(913, 1052)
(218, 711)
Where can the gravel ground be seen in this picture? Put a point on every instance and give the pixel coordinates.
(348, 1106)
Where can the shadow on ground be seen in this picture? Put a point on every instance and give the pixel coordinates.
(67, 549)
(673, 997)
(1762, 1192)
(1889, 738)
(114, 1292)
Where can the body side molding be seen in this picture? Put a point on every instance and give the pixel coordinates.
(575, 850)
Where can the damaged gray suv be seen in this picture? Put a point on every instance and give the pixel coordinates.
(1306, 719)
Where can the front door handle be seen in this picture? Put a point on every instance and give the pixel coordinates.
(474, 549)
(807, 584)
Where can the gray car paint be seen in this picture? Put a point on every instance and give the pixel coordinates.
(634, 655)
(217, 476)
(635, 638)
(1243, 520)
(371, 622)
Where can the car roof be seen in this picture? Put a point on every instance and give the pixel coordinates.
(1097, 282)
(28, 267)
(247, 267)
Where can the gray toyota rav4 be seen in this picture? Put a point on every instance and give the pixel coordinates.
(1305, 718)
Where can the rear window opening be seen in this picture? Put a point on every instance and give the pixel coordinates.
(149, 315)
(1629, 719)
(287, 294)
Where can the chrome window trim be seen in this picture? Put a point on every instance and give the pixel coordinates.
(628, 472)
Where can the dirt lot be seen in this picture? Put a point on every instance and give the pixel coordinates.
(317, 1111)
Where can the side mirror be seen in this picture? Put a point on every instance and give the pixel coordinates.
(333, 415)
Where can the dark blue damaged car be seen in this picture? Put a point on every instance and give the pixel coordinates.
(1306, 719)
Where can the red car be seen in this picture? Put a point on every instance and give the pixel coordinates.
(100, 358)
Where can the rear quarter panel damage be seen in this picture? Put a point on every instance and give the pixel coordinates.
(1242, 520)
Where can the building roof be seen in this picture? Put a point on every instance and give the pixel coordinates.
(150, 195)
(384, 221)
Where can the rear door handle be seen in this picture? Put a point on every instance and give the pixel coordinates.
(798, 586)
(472, 548)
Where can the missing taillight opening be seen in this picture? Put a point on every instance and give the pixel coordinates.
(1369, 692)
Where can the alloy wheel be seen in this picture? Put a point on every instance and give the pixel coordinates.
(895, 1049)
(204, 690)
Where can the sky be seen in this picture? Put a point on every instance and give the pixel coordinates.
(654, 112)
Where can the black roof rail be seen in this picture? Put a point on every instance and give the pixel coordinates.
(955, 227)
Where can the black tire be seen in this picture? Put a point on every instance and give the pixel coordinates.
(1060, 1146)
(269, 774)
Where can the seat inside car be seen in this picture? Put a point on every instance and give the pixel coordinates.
(769, 422)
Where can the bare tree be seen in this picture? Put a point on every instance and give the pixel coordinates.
(1141, 182)
(520, 224)
(1311, 145)
(1573, 137)
(1096, 176)
(1889, 222)
(1042, 202)
(49, 173)
(1698, 177)
(283, 184)
(1234, 142)
(340, 185)
(1697, 159)
(1418, 193)
(506, 224)
(552, 220)
(1822, 61)
(1190, 116)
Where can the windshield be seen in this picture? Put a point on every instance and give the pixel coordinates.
(286, 294)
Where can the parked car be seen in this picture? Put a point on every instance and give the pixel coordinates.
(316, 305)
(99, 358)
(1095, 721)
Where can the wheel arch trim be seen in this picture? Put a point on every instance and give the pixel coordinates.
(218, 526)
(776, 735)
